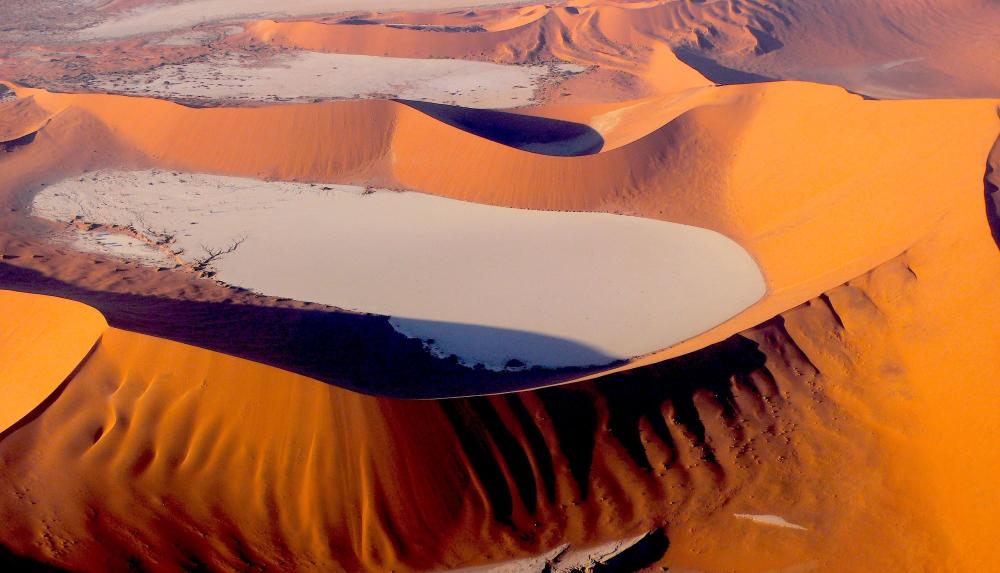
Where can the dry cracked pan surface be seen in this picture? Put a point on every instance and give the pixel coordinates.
(189, 386)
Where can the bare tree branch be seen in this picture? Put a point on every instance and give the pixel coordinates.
(212, 255)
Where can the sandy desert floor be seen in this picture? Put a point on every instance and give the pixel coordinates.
(596, 285)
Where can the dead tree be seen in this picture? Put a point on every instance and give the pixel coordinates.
(211, 255)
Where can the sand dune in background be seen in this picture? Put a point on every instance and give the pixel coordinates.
(145, 20)
(561, 34)
(42, 341)
(897, 49)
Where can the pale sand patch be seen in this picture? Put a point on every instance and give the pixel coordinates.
(768, 519)
(120, 245)
(488, 284)
(313, 75)
(164, 17)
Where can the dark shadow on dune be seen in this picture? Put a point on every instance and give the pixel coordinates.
(715, 71)
(642, 554)
(535, 134)
(356, 351)
(10, 561)
(642, 394)
(991, 186)
(672, 399)
(11, 145)
(517, 344)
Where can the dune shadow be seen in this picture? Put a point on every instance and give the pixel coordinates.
(655, 412)
(991, 189)
(643, 554)
(11, 561)
(540, 135)
(11, 145)
(360, 352)
(716, 72)
(503, 347)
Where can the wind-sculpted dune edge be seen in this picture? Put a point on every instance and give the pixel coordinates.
(43, 340)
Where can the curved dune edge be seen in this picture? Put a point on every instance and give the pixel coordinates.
(42, 340)
(21, 117)
(786, 169)
(863, 393)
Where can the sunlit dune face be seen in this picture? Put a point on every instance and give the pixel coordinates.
(42, 340)
(494, 286)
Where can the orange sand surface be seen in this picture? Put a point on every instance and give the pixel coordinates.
(42, 340)
(157, 419)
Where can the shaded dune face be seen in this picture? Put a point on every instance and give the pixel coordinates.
(991, 184)
(541, 135)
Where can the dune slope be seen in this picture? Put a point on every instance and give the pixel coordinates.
(42, 341)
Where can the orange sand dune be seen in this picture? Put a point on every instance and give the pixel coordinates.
(42, 340)
(863, 414)
(616, 38)
(848, 422)
(893, 49)
(20, 118)
(782, 168)
(609, 32)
